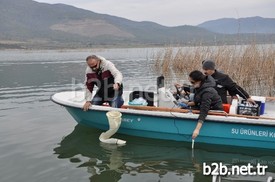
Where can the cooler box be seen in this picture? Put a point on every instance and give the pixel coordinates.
(262, 100)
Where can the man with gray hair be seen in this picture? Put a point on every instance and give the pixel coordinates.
(224, 83)
(103, 74)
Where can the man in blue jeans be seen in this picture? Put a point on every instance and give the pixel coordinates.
(107, 78)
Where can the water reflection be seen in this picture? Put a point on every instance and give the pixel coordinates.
(153, 160)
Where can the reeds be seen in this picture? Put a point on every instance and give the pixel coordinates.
(250, 66)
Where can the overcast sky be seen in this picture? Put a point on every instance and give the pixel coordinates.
(176, 12)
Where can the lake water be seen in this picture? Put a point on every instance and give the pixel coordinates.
(41, 142)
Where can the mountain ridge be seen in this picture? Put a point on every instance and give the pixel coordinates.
(30, 24)
(254, 24)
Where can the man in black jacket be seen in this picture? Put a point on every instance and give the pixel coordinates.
(224, 83)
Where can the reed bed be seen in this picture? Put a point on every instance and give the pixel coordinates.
(250, 66)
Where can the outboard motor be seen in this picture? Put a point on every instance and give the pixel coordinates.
(160, 82)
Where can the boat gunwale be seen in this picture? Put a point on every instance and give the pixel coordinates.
(211, 118)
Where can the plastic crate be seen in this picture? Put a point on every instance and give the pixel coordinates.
(250, 110)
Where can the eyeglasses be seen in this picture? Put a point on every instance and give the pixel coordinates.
(95, 66)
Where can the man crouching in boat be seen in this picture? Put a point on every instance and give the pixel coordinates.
(107, 78)
(205, 98)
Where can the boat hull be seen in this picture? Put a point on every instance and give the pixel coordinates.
(171, 127)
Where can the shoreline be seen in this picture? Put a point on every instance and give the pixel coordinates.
(70, 49)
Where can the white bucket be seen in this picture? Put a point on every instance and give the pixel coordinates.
(114, 119)
(233, 107)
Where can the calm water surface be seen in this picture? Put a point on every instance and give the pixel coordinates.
(41, 142)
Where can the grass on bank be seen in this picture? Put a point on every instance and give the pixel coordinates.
(250, 66)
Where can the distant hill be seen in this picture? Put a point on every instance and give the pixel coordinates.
(242, 25)
(30, 24)
(33, 22)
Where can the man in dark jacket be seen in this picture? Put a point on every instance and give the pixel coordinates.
(224, 83)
